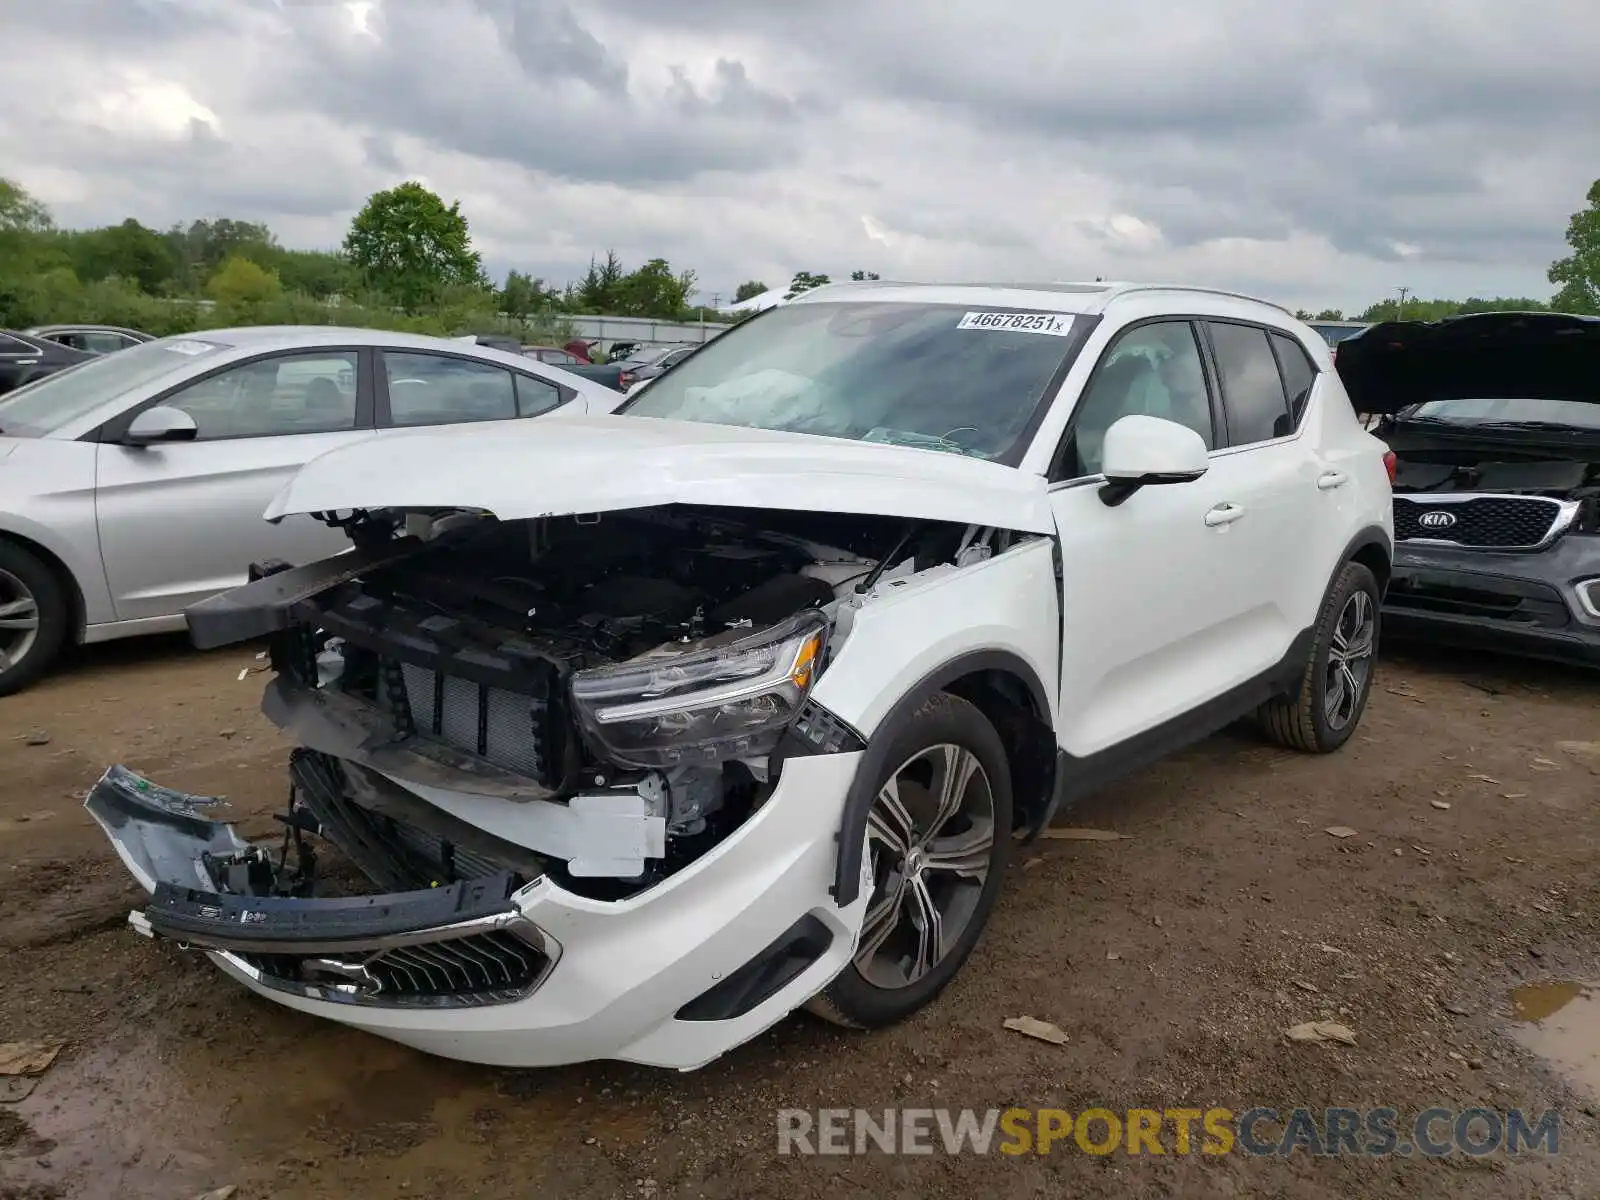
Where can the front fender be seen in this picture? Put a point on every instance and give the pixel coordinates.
(912, 640)
(910, 627)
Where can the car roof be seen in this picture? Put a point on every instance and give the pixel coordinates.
(1078, 299)
(87, 327)
(259, 338)
(37, 342)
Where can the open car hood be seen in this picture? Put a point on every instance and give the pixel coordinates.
(558, 466)
(1532, 356)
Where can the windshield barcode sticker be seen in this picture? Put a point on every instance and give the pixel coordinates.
(1048, 323)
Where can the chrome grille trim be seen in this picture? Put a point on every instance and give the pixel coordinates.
(1562, 514)
(472, 964)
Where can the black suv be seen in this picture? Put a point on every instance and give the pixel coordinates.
(1494, 420)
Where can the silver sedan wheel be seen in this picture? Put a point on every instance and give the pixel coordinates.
(19, 620)
(930, 837)
(1349, 659)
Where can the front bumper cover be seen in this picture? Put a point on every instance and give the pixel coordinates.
(1515, 603)
(492, 972)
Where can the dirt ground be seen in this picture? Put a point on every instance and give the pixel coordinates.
(1174, 960)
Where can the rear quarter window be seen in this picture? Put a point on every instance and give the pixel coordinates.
(1299, 375)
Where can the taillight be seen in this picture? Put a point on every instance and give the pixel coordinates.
(1390, 464)
(624, 380)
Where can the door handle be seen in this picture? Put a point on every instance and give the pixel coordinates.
(1329, 480)
(1224, 514)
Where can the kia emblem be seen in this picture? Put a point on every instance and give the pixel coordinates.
(1437, 519)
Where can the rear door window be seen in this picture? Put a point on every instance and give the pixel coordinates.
(1252, 389)
(435, 389)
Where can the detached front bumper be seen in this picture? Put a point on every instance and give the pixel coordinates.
(1527, 604)
(495, 972)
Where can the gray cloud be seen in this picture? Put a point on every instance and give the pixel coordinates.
(524, 82)
(1314, 150)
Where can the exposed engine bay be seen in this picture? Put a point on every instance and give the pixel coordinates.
(1530, 485)
(599, 699)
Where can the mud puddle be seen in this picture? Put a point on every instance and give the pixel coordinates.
(1560, 1022)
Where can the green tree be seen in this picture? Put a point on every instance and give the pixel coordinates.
(319, 273)
(1330, 314)
(1437, 310)
(20, 212)
(654, 291)
(202, 246)
(240, 283)
(804, 281)
(407, 244)
(524, 295)
(1578, 274)
(862, 276)
(600, 290)
(129, 251)
(748, 290)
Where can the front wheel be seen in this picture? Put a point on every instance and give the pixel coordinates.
(937, 840)
(33, 618)
(1337, 679)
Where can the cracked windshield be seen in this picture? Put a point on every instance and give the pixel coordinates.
(933, 376)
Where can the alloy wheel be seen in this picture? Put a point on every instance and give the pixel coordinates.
(930, 837)
(19, 620)
(1349, 659)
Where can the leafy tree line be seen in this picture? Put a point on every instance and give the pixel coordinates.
(408, 262)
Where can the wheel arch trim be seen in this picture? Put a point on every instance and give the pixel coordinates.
(863, 787)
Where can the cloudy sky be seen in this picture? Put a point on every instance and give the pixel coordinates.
(1320, 153)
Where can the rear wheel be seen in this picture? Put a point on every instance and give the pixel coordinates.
(33, 617)
(1337, 679)
(937, 839)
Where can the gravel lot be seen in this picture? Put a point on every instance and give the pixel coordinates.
(1174, 960)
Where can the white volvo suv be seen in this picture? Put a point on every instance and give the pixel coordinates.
(648, 729)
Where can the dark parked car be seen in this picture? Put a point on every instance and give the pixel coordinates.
(606, 374)
(554, 355)
(91, 339)
(24, 358)
(653, 363)
(1494, 421)
(494, 341)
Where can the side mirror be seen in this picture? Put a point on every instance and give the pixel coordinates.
(1140, 451)
(160, 424)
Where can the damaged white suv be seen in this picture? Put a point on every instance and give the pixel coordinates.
(647, 729)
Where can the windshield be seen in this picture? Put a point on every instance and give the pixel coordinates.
(648, 358)
(46, 405)
(933, 376)
(1581, 415)
(1334, 334)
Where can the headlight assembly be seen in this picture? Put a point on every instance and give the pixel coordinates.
(667, 709)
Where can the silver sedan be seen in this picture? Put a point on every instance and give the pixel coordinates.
(132, 485)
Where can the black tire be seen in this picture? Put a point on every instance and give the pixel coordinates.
(54, 615)
(852, 999)
(1301, 721)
